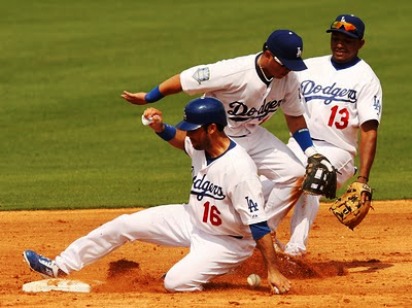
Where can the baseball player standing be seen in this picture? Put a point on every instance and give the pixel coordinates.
(343, 99)
(252, 88)
(222, 223)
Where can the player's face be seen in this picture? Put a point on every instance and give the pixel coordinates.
(199, 138)
(272, 66)
(277, 69)
(344, 48)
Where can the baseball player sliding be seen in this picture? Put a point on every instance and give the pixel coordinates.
(342, 98)
(222, 223)
(252, 88)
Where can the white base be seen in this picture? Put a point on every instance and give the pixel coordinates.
(55, 284)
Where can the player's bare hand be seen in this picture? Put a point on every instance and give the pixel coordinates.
(278, 283)
(155, 117)
(135, 98)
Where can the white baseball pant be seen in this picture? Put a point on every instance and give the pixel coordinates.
(307, 207)
(169, 225)
(280, 170)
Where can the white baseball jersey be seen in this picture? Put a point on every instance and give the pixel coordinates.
(337, 102)
(249, 98)
(226, 194)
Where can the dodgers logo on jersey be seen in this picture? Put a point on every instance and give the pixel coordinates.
(202, 187)
(252, 206)
(241, 112)
(377, 104)
(311, 90)
(201, 74)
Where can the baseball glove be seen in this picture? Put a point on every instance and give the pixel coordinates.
(352, 207)
(320, 177)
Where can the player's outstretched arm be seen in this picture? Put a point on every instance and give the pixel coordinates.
(367, 148)
(277, 282)
(153, 118)
(295, 123)
(299, 130)
(135, 98)
(167, 87)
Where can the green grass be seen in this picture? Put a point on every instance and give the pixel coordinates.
(69, 141)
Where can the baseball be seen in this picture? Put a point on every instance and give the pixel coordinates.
(253, 280)
(146, 121)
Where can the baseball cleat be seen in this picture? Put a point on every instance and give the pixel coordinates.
(294, 252)
(40, 264)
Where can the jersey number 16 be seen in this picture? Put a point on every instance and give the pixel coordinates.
(211, 214)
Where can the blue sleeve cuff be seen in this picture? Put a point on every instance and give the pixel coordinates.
(154, 95)
(302, 137)
(168, 133)
(259, 230)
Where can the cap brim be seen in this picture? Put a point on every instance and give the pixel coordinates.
(294, 65)
(343, 31)
(186, 126)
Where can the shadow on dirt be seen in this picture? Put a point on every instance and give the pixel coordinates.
(303, 268)
(126, 276)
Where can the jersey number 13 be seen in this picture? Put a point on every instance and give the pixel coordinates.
(339, 118)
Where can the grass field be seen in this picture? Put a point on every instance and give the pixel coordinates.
(69, 141)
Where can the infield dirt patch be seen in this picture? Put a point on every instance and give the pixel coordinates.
(368, 267)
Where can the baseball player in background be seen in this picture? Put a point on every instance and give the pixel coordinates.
(222, 223)
(252, 88)
(343, 99)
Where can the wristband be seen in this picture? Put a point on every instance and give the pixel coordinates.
(154, 95)
(168, 133)
(302, 137)
(363, 177)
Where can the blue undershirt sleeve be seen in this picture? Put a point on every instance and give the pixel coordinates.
(259, 230)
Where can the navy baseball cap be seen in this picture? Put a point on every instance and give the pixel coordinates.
(348, 24)
(202, 111)
(287, 46)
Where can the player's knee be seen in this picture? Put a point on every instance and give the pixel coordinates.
(296, 174)
(120, 223)
(298, 170)
(116, 229)
(179, 283)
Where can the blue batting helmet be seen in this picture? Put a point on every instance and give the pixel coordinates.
(202, 111)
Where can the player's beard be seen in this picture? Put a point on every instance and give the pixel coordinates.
(200, 145)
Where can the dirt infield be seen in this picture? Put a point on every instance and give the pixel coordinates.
(368, 267)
